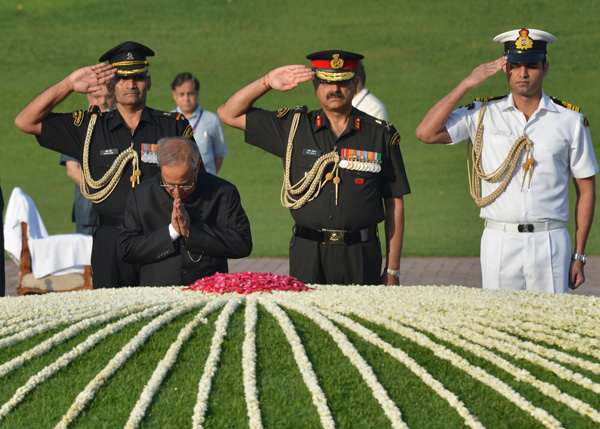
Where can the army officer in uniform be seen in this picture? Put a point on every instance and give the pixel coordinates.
(116, 149)
(343, 171)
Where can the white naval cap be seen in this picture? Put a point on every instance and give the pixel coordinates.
(525, 45)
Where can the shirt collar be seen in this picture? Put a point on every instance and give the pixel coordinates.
(354, 121)
(117, 120)
(194, 115)
(545, 103)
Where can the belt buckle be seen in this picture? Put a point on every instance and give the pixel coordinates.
(333, 236)
(525, 227)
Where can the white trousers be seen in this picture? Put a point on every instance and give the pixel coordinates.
(536, 261)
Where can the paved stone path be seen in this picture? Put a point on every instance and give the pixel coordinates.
(414, 271)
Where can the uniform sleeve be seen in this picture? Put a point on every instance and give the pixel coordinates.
(61, 134)
(395, 181)
(459, 124)
(266, 131)
(582, 158)
(227, 237)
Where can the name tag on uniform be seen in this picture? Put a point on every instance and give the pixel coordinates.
(313, 152)
(109, 152)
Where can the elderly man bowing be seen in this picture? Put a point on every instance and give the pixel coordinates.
(184, 223)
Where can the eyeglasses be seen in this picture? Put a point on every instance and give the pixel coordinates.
(172, 187)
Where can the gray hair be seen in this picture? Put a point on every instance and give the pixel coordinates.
(177, 150)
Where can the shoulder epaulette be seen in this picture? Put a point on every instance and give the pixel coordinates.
(567, 105)
(174, 115)
(471, 106)
(498, 97)
(78, 117)
(371, 120)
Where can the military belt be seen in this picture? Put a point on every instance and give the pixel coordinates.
(335, 236)
(525, 227)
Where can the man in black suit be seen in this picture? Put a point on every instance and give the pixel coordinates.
(184, 223)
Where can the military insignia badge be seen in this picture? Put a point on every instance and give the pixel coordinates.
(524, 42)
(395, 141)
(188, 133)
(282, 112)
(78, 117)
(336, 62)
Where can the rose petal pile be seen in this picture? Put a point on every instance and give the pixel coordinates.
(247, 283)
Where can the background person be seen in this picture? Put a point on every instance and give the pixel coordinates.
(84, 215)
(183, 224)
(208, 130)
(526, 147)
(365, 100)
(122, 147)
(341, 168)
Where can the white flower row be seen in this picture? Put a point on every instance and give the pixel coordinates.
(304, 365)
(520, 353)
(210, 367)
(380, 314)
(457, 337)
(414, 367)
(347, 348)
(59, 338)
(119, 359)
(472, 370)
(249, 364)
(139, 410)
(73, 354)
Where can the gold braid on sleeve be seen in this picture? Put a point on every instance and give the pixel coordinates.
(109, 181)
(313, 182)
(508, 166)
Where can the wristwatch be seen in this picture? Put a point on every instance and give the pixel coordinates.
(576, 257)
(395, 273)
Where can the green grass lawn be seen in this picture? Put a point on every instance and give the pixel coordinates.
(415, 52)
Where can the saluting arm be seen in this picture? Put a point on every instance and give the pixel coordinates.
(433, 127)
(84, 80)
(233, 111)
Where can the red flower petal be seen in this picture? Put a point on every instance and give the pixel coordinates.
(246, 283)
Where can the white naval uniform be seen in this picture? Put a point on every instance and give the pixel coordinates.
(562, 147)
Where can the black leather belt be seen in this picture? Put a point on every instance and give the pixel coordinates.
(335, 236)
(111, 221)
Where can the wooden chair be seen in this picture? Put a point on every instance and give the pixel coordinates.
(29, 284)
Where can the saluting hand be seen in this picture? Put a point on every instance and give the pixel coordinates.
(90, 79)
(481, 73)
(180, 219)
(287, 78)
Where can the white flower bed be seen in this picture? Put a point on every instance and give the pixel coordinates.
(558, 333)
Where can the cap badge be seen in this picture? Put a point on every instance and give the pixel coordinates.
(336, 62)
(524, 42)
(129, 56)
